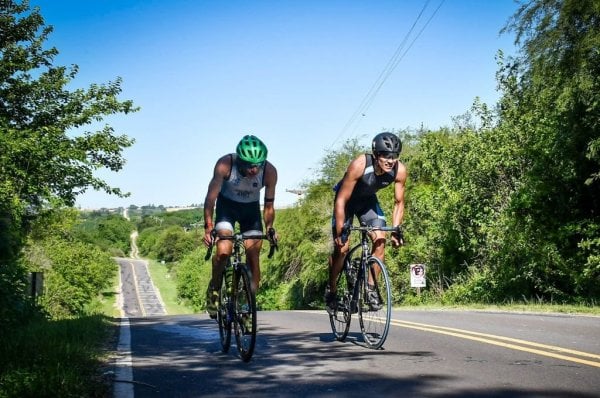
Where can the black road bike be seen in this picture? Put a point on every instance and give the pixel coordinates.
(364, 288)
(236, 307)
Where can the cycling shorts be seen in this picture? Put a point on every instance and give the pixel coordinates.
(229, 212)
(367, 210)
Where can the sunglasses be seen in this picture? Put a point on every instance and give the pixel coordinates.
(387, 155)
(248, 165)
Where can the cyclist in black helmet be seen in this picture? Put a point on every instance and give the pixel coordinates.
(235, 188)
(356, 196)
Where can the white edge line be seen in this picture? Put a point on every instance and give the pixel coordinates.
(123, 383)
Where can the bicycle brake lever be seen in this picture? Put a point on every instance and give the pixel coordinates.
(272, 250)
(213, 234)
(208, 252)
(272, 241)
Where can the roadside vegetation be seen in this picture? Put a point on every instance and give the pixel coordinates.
(52, 340)
(503, 207)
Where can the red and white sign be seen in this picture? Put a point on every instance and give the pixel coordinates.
(417, 275)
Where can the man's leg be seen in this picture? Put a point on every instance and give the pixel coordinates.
(253, 259)
(219, 260)
(378, 251)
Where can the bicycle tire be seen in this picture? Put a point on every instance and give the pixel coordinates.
(375, 320)
(342, 316)
(245, 314)
(224, 317)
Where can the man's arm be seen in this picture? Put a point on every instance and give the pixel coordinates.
(353, 173)
(220, 172)
(398, 212)
(269, 200)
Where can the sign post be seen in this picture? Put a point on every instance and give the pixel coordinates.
(417, 276)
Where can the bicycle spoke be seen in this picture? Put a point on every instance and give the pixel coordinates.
(245, 315)
(375, 304)
(237, 302)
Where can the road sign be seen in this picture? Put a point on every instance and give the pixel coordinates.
(417, 275)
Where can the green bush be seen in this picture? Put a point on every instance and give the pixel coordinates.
(74, 275)
(193, 274)
(477, 286)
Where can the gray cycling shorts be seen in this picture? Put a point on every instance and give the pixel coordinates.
(368, 212)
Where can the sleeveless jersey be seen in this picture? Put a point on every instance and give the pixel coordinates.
(370, 182)
(242, 189)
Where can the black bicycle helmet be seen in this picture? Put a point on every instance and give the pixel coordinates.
(386, 142)
(251, 150)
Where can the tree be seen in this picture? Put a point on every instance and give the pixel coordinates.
(110, 232)
(49, 150)
(174, 243)
(551, 104)
(51, 140)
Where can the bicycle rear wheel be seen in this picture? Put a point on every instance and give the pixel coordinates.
(340, 319)
(224, 314)
(245, 314)
(375, 304)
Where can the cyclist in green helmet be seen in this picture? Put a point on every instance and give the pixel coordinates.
(234, 190)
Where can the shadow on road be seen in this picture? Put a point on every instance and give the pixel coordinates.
(182, 357)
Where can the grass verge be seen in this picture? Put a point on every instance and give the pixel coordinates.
(61, 358)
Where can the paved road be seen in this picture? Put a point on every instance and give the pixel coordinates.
(427, 354)
(139, 296)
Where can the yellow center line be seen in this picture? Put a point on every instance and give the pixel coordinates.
(493, 340)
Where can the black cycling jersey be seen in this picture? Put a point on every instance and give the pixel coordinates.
(363, 202)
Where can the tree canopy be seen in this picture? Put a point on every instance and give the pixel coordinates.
(52, 143)
(52, 139)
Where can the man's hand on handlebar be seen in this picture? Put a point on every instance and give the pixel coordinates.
(273, 238)
(397, 237)
(209, 236)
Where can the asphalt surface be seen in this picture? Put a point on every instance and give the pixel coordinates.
(138, 293)
(427, 353)
(297, 356)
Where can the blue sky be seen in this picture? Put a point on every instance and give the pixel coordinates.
(293, 73)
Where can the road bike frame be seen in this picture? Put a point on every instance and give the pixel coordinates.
(360, 270)
(237, 301)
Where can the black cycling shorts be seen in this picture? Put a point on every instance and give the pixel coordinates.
(229, 212)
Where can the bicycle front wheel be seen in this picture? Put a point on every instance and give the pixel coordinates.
(245, 314)
(375, 303)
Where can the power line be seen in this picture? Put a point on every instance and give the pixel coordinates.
(372, 91)
(398, 55)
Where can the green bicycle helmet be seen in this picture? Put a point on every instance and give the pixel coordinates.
(251, 150)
